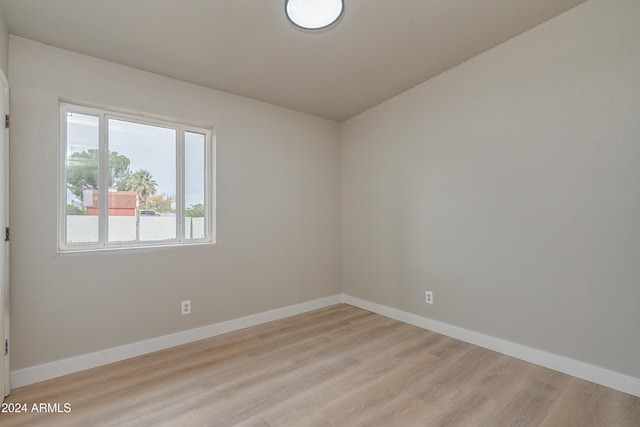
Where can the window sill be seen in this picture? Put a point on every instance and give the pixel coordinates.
(134, 248)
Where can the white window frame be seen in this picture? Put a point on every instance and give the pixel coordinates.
(104, 115)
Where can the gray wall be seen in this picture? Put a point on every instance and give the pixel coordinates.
(278, 214)
(509, 187)
(4, 44)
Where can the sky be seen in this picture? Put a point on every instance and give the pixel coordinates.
(148, 147)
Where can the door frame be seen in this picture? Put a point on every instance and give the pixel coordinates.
(5, 305)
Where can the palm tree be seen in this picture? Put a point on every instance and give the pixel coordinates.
(142, 182)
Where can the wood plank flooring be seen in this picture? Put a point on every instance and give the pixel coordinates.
(338, 366)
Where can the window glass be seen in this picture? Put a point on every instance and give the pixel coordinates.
(142, 182)
(82, 178)
(194, 177)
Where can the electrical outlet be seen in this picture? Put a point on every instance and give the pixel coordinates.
(428, 297)
(186, 307)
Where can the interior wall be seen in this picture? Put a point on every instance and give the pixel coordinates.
(508, 186)
(277, 214)
(4, 44)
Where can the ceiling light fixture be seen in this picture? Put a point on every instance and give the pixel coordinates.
(313, 14)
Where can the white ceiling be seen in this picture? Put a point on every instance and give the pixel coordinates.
(379, 49)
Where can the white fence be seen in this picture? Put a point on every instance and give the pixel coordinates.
(84, 228)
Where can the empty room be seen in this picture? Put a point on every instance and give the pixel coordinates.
(310, 213)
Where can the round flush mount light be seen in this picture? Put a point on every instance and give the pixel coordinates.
(313, 14)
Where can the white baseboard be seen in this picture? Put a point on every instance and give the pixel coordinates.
(553, 361)
(595, 374)
(34, 374)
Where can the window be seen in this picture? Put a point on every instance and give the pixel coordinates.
(129, 181)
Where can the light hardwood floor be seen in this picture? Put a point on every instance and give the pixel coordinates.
(339, 366)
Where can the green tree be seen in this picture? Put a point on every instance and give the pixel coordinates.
(119, 170)
(195, 210)
(76, 210)
(142, 182)
(160, 202)
(82, 171)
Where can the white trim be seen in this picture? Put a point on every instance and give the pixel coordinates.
(5, 309)
(553, 361)
(58, 368)
(576, 368)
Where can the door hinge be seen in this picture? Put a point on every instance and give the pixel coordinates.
(6, 347)
(6, 121)
(6, 234)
